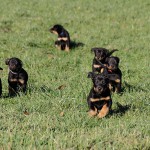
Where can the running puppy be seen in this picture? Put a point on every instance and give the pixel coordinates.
(99, 99)
(0, 83)
(112, 64)
(100, 55)
(63, 41)
(17, 76)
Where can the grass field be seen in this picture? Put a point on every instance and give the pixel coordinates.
(53, 114)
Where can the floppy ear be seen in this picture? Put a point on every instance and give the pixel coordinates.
(117, 59)
(7, 61)
(93, 49)
(91, 75)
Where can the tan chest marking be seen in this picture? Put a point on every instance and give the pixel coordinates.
(96, 66)
(62, 38)
(13, 80)
(100, 99)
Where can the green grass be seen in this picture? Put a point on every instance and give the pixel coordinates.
(58, 119)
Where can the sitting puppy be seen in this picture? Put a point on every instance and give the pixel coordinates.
(63, 41)
(112, 64)
(99, 99)
(0, 83)
(100, 55)
(17, 77)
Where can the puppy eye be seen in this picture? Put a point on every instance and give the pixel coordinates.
(103, 82)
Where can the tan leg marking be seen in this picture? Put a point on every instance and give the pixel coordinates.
(92, 112)
(110, 87)
(58, 47)
(117, 80)
(21, 81)
(104, 111)
(67, 49)
(102, 70)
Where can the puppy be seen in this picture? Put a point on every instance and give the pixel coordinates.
(63, 41)
(0, 83)
(100, 55)
(17, 77)
(99, 99)
(112, 64)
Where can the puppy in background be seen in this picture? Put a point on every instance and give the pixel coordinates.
(100, 55)
(63, 41)
(17, 76)
(0, 82)
(112, 64)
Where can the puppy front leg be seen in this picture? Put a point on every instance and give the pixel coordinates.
(118, 86)
(92, 112)
(104, 111)
(22, 85)
(12, 91)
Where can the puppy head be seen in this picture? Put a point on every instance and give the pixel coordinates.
(56, 29)
(100, 53)
(14, 64)
(112, 63)
(100, 82)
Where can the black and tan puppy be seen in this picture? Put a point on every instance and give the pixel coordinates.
(63, 41)
(112, 64)
(0, 83)
(100, 55)
(99, 99)
(17, 77)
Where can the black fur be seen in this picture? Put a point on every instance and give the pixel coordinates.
(99, 99)
(63, 41)
(17, 76)
(100, 56)
(0, 83)
(112, 64)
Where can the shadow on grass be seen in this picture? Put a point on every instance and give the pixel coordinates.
(130, 88)
(120, 110)
(74, 44)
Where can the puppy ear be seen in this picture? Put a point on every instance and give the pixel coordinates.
(117, 59)
(7, 61)
(92, 49)
(91, 75)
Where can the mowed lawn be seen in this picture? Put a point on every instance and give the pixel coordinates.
(53, 115)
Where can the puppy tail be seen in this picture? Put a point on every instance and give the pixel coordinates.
(112, 51)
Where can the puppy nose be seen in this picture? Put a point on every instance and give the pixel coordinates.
(100, 88)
